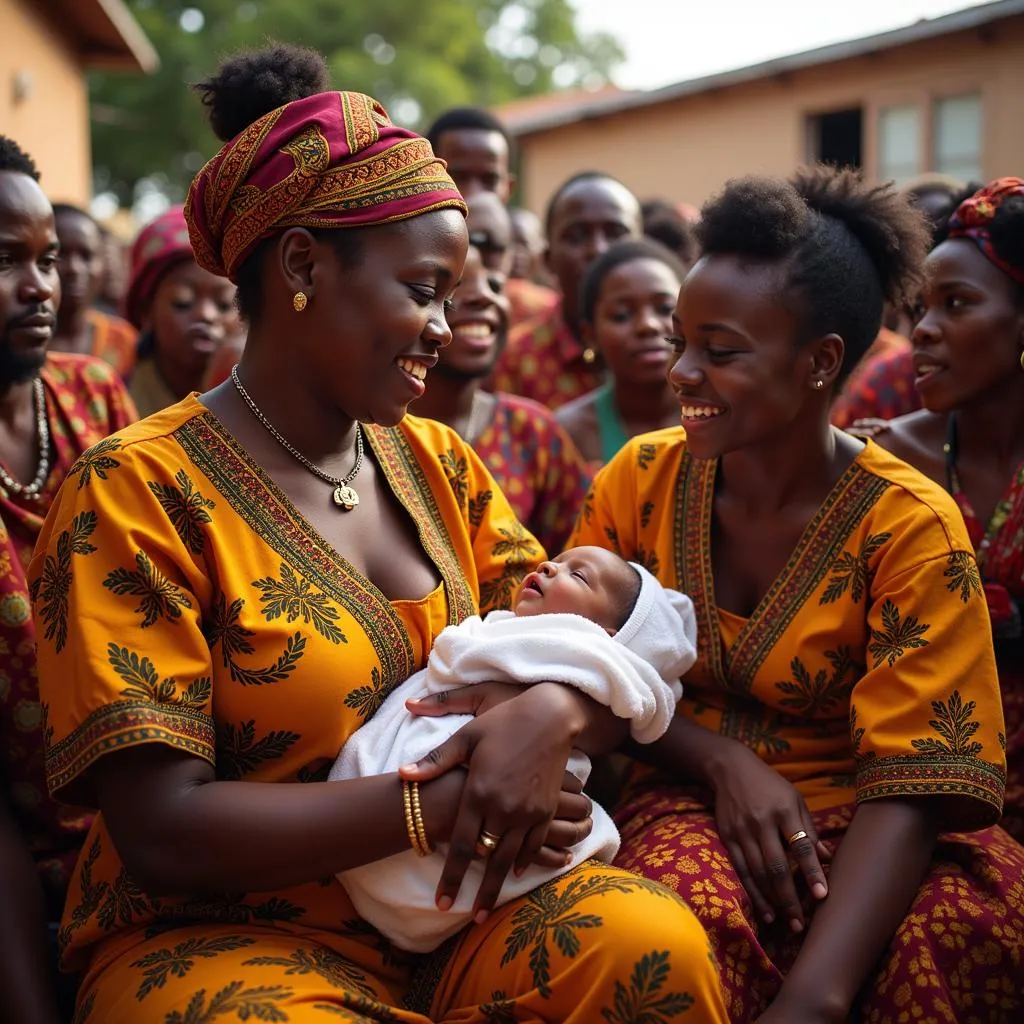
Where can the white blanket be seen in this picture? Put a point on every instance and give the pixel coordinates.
(396, 895)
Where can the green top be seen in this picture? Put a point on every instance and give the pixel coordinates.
(609, 426)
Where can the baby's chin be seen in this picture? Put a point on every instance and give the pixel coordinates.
(531, 606)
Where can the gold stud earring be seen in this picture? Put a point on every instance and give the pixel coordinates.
(299, 301)
(589, 356)
(1022, 358)
(819, 384)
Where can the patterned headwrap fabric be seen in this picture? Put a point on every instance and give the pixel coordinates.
(973, 217)
(159, 245)
(332, 160)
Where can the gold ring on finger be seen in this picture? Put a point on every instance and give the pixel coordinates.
(487, 843)
(796, 837)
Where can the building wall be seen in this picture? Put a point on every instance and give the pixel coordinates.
(52, 121)
(685, 149)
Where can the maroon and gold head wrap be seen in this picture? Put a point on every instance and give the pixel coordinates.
(974, 216)
(333, 160)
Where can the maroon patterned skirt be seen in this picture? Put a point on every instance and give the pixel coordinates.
(956, 959)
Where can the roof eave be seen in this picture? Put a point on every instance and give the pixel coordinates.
(931, 28)
(137, 53)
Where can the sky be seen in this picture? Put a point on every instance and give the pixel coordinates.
(670, 41)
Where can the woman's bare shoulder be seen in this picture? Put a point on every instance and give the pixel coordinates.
(916, 438)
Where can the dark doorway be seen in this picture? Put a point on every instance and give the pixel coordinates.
(837, 137)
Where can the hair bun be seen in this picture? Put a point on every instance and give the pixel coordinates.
(767, 213)
(254, 82)
(885, 222)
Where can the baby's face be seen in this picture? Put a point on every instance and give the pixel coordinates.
(586, 581)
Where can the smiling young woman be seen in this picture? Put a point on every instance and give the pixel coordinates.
(532, 459)
(845, 689)
(969, 356)
(241, 580)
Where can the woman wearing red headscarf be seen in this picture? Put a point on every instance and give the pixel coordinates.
(184, 312)
(246, 575)
(969, 359)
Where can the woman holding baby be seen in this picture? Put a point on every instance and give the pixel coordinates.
(229, 589)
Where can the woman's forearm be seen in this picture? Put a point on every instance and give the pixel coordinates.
(178, 832)
(595, 727)
(686, 751)
(875, 875)
(26, 975)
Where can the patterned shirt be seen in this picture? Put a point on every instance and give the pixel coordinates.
(537, 466)
(544, 361)
(114, 341)
(183, 599)
(529, 301)
(85, 401)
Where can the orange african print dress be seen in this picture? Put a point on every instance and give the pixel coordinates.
(183, 600)
(546, 363)
(85, 401)
(867, 672)
(537, 466)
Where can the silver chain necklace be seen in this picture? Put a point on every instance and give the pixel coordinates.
(345, 496)
(10, 485)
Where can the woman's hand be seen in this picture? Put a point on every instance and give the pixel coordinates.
(573, 820)
(758, 812)
(467, 700)
(516, 752)
(869, 427)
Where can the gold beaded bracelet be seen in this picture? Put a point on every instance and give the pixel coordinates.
(414, 818)
(417, 816)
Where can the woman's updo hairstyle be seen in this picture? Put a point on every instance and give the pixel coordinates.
(245, 87)
(615, 256)
(844, 248)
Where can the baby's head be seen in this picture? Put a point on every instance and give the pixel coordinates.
(587, 581)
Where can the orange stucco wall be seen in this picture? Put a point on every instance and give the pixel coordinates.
(685, 149)
(52, 122)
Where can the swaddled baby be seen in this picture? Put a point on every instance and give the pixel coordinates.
(587, 619)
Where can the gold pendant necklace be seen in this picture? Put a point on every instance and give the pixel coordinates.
(345, 495)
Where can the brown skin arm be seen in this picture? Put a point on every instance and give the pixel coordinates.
(516, 751)
(756, 810)
(178, 830)
(876, 873)
(26, 975)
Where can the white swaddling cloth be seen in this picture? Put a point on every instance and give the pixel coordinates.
(639, 682)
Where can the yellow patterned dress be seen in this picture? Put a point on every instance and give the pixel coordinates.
(866, 672)
(182, 599)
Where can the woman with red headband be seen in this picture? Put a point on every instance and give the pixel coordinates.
(969, 358)
(185, 314)
(229, 589)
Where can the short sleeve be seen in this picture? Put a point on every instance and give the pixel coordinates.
(117, 586)
(926, 716)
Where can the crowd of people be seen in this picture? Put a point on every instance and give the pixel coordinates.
(346, 400)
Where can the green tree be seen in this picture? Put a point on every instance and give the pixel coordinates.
(417, 58)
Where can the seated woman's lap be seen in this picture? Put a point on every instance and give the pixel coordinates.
(957, 955)
(565, 952)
